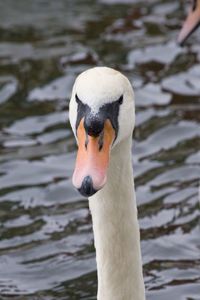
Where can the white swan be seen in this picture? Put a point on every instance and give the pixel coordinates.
(102, 117)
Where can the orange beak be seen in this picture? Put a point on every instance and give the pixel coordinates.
(190, 24)
(92, 160)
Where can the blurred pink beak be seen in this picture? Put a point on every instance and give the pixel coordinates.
(191, 23)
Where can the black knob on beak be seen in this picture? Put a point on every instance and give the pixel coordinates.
(87, 188)
(93, 125)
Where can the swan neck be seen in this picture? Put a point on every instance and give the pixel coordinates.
(116, 231)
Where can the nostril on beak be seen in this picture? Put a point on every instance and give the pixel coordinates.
(93, 125)
(87, 188)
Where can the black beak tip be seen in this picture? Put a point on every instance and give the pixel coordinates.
(87, 189)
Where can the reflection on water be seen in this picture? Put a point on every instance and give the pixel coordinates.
(46, 245)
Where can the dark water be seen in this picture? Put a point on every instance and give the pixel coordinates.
(46, 240)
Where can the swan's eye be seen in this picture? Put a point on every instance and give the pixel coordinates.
(120, 100)
(77, 99)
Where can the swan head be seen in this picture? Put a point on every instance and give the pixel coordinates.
(102, 115)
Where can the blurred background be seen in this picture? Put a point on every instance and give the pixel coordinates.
(46, 240)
